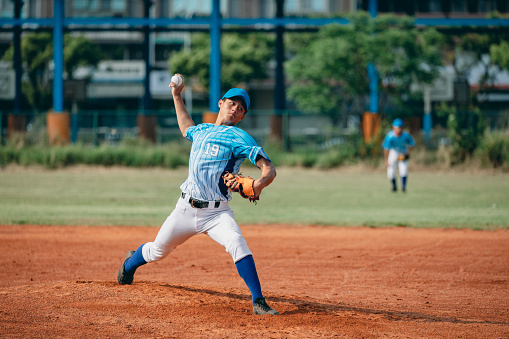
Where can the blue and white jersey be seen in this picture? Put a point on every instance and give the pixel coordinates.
(399, 144)
(216, 150)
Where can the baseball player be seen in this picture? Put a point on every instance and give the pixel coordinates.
(397, 146)
(202, 207)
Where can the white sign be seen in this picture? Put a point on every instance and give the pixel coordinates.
(115, 90)
(442, 88)
(7, 85)
(108, 70)
(159, 81)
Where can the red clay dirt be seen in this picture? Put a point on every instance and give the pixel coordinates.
(60, 281)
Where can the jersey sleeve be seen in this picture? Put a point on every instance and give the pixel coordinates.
(192, 130)
(246, 147)
(411, 141)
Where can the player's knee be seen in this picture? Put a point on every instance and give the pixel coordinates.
(237, 247)
(155, 252)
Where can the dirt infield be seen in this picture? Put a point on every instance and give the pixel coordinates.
(58, 281)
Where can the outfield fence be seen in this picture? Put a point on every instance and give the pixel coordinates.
(296, 129)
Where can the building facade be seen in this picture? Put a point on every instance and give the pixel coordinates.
(124, 48)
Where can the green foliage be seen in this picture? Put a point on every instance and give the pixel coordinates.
(244, 58)
(139, 155)
(297, 42)
(474, 42)
(473, 47)
(465, 129)
(500, 55)
(37, 52)
(310, 157)
(329, 75)
(336, 158)
(494, 149)
(80, 51)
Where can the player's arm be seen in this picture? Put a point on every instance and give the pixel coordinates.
(386, 146)
(268, 175)
(183, 118)
(386, 156)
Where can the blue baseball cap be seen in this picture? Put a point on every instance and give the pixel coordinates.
(397, 123)
(238, 92)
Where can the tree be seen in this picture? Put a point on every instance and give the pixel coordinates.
(243, 58)
(404, 55)
(470, 50)
(80, 51)
(500, 54)
(37, 52)
(330, 75)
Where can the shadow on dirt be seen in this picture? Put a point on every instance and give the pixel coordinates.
(310, 306)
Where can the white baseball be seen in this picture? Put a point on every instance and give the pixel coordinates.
(177, 80)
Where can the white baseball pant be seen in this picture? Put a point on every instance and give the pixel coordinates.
(186, 221)
(393, 162)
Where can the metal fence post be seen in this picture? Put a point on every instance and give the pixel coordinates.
(95, 126)
(286, 132)
(74, 127)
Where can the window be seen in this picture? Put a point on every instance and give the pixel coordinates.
(6, 8)
(97, 8)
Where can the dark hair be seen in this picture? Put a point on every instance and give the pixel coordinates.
(241, 100)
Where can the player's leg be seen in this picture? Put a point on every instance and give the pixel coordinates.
(392, 160)
(224, 230)
(177, 228)
(403, 173)
(247, 271)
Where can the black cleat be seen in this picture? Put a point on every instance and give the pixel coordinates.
(260, 307)
(123, 277)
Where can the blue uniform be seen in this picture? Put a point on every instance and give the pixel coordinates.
(399, 144)
(216, 150)
(203, 205)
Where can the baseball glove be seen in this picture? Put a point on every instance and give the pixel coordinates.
(403, 157)
(243, 185)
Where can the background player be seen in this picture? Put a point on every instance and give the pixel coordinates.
(397, 146)
(203, 204)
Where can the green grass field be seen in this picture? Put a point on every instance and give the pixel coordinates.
(119, 196)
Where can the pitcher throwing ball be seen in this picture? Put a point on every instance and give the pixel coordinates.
(397, 146)
(217, 152)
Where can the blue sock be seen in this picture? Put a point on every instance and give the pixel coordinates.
(403, 182)
(394, 184)
(135, 261)
(247, 271)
